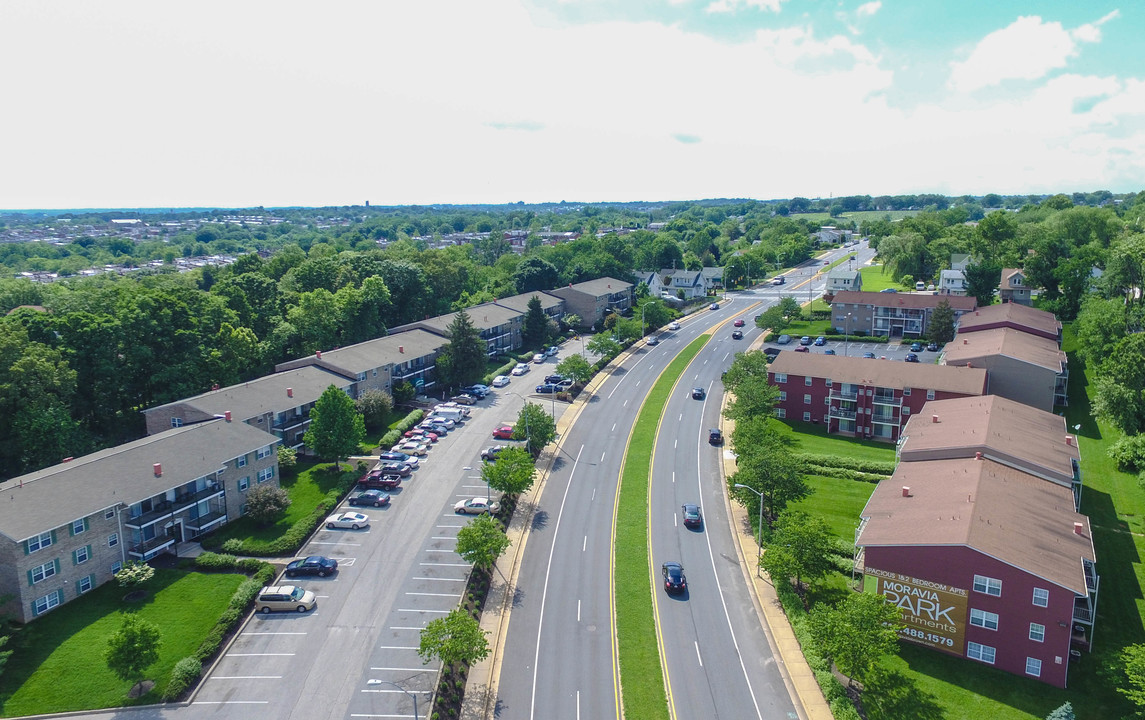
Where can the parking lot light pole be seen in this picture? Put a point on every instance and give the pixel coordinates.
(410, 695)
(759, 541)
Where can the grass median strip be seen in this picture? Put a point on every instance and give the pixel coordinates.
(642, 677)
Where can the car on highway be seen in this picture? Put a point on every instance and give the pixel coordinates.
(396, 468)
(463, 399)
(674, 580)
(739, 322)
(673, 325)
(803, 348)
(284, 597)
(347, 521)
(411, 447)
(778, 280)
(697, 393)
(377, 498)
(548, 388)
(932, 347)
(692, 518)
(869, 355)
(715, 437)
(916, 347)
(399, 457)
(314, 565)
(476, 506)
(737, 335)
(714, 306)
(380, 480)
(490, 453)
(805, 340)
(783, 340)
(500, 381)
(652, 340)
(820, 341)
(505, 432)
(539, 358)
(519, 369)
(911, 357)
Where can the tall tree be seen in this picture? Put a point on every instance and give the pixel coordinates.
(1120, 385)
(463, 357)
(536, 427)
(481, 542)
(535, 327)
(800, 548)
(576, 368)
(1131, 662)
(982, 280)
(765, 465)
(858, 632)
(456, 639)
(133, 648)
(941, 325)
(512, 473)
(746, 379)
(336, 427)
(535, 273)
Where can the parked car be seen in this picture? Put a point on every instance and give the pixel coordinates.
(490, 453)
(565, 384)
(442, 421)
(478, 390)
(411, 447)
(697, 393)
(519, 369)
(820, 341)
(783, 340)
(548, 388)
(715, 437)
(803, 348)
(889, 290)
(505, 432)
(738, 322)
(692, 517)
(284, 597)
(920, 285)
(673, 325)
(377, 498)
(421, 434)
(396, 468)
(916, 347)
(555, 378)
(869, 355)
(829, 351)
(674, 580)
(348, 520)
(500, 381)
(379, 480)
(911, 357)
(313, 565)
(932, 347)
(398, 457)
(463, 399)
(539, 358)
(805, 340)
(737, 335)
(553, 350)
(476, 506)
(771, 353)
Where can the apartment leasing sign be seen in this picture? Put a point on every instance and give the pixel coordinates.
(934, 613)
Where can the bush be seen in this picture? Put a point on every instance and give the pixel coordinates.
(234, 545)
(287, 457)
(873, 467)
(244, 594)
(183, 676)
(210, 644)
(392, 437)
(230, 618)
(215, 562)
(134, 574)
(249, 566)
(1129, 453)
(266, 503)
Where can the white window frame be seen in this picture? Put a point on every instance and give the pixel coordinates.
(1043, 595)
(806, 399)
(85, 584)
(906, 392)
(41, 541)
(78, 526)
(45, 571)
(47, 602)
(265, 474)
(781, 413)
(109, 513)
(176, 422)
(806, 417)
(1037, 632)
(988, 586)
(1033, 667)
(829, 382)
(116, 567)
(807, 380)
(263, 452)
(980, 652)
(782, 396)
(240, 461)
(82, 555)
(983, 619)
(113, 539)
(906, 409)
(244, 483)
(929, 394)
(780, 378)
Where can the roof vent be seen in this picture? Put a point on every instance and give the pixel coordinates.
(1069, 440)
(318, 354)
(157, 468)
(968, 498)
(227, 415)
(289, 392)
(68, 459)
(970, 365)
(965, 341)
(978, 456)
(975, 312)
(906, 491)
(934, 418)
(215, 386)
(1078, 527)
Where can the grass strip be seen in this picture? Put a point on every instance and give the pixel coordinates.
(642, 677)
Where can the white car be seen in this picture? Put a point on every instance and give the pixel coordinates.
(673, 325)
(553, 350)
(476, 506)
(446, 422)
(348, 520)
(501, 380)
(410, 447)
(521, 369)
(539, 358)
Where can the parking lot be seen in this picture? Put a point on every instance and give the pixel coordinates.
(855, 348)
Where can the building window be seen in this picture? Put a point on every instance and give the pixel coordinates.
(244, 484)
(116, 567)
(78, 526)
(109, 514)
(1033, 667)
(806, 399)
(265, 474)
(263, 452)
(983, 619)
(82, 555)
(906, 410)
(976, 651)
(782, 396)
(1041, 597)
(990, 586)
(906, 392)
(242, 509)
(46, 603)
(176, 422)
(39, 542)
(807, 381)
(827, 401)
(113, 539)
(780, 378)
(241, 461)
(42, 572)
(1037, 632)
(828, 382)
(780, 413)
(806, 417)
(84, 584)
(929, 394)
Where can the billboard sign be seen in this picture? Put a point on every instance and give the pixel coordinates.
(934, 614)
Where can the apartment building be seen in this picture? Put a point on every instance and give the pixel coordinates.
(1014, 316)
(904, 315)
(593, 299)
(499, 326)
(379, 364)
(1027, 368)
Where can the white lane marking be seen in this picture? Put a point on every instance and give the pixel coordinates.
(422, 610)
(403, 627)
(231, 702)
(274, 633)
(625, 404)
(438, 537)
(726, 355)
(450, 526)
(593, 495)
(699, 658)
(545, 590)
(431, 550)
(260, 654)
(464, 565)
(584, 544)
(676, 443)
(434, 594)
(675, 520)
(578, 610)
(673, 477)
(613, 427)
(578, 705)
(602, 458)
(397, 647)
(681, 418)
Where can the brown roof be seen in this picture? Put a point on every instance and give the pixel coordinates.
(1001, 429)
(882, 373)
(520, 303)
(392, 349)
(912, 301)
(999, 511)
(1008, 275)
(1014, 315)
(484, 316)
(1032, 349)
(267, 394)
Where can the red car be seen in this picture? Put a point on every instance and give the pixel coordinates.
(505, 432)
(421, 433)
(738, 322)
(377, 479)
(802, 349)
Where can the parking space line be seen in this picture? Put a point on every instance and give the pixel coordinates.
(401, 627)
(421, 610)
(464, 565)
(450, 526)
(398, 647)
(231, 702)
(448, 537)
(395, 669)
(430, 595)
(260, 654)
(441, 579)
(274, 633)
(315, 542)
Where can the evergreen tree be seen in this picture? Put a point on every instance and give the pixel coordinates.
(941, 327)
(462, 360)
(535, 330)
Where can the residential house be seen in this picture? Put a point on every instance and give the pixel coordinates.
(67, 529)
(891, 314)
(1012, 315)
(861, 397)
(841, 279)
(1026, 368)
(689, 282)
(380, 363)
(593, 299)
(831, 235)
(1013, 287)
(713, 278)
(952, 282)
(987, 562)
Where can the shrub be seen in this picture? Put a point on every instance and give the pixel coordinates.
(244, 594)
(249, 566)
(215, 562)
(1129, 452)
(183, 676)
(287, 457)
(134, 574)
(874, 467)
(229, 618)
(210, 644)
(266, 503)
(234, 545)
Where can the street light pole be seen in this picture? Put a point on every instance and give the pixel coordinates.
(847, 348)
(410, 695)
(759, 541)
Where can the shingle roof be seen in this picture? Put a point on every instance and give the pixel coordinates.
(602, 286)
(1015, 314)
(392, 349)
(999, 511)
(991, 424)
(911, 301)
(843, 274)
(520, 303)
(46, 499)
(266, 394)
(483, 316)
(1032, 349)
(1008, 276)
(882, 373)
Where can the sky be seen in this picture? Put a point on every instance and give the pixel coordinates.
(119, 104)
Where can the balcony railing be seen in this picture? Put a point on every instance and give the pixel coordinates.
(205, 521)
(885, 418)
(1082, 612)
(1092, 579)
(838, 412)
(290, 422)
(149, 546)
(158, 512)
(186, 500)
(887, 399)
(840, 394)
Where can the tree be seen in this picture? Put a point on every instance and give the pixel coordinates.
(800, 548)
(336, 428)
(576, 368)
(287, 457)
(454, 639)
(857, 632)
(982, 280)
(404, 392)
(535, 273)
(746, 379)
(132, 649)
(536, 427)
(1100, 326)
(1132, 666)
(1120, 385)
(765, 465)
(462, 359)
(603, 345)
(512, 472)
(535, 327)
(266, 503)
(134, 574)
(941, 326)
(653, 313)
(482, 541)
(1063, 712)
(375, 406)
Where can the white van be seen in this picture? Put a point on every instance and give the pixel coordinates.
(920, 285)
(455, 414)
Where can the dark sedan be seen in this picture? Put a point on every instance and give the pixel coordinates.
(395, 468)
(395, 456)
(548, 388)
(932, 347)
(916, 347)
(674, 580)
(377, 498)
(737, 335)
(911, 357)
(313, 565)
(692, 518)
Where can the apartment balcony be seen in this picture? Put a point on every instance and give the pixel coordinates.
(159, 511)
(838, 412)
(290, 423)
(886, 418)
(186, 500)
(887, 399)
(399, 375)
(840, 394)
(1092, 579)
(203, 522)
(1083, 612)
(148, 547)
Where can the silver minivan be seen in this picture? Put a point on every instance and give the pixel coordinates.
(285, 598)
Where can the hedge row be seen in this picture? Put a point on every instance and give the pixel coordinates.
(503, 370)
(873, 467)
(392, 437)
(856, 336)
(845, 474)
(187, 670)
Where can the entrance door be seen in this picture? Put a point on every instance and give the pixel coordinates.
(175, 530)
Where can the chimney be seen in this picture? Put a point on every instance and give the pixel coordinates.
(227, 415)
(934, 418)
(215, 386)
(970, 365)
(318, 354)
(906, 491)
(158, 469)
(289, 392)
(978, 456)
(1078, 527)
(965, 341)
(1069, 440)
(401, 348)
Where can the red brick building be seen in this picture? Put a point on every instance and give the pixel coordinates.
(1014, 316)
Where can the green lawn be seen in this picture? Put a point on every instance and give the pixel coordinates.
(58, 665)
(836, 501)
(813, 439)
(875, 280)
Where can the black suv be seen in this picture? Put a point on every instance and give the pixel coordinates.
(715, 437)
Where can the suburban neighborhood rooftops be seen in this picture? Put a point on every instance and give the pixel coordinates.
(1015, 315)
(268, 394)
(1032, 349)
(393, 349)
(48, 498)
(911, 301)
(882, 373)
(600, 287)
(1001, 512)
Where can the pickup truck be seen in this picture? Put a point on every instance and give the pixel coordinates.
(379, 480)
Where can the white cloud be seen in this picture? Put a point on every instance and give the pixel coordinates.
(1027, 49)
(868, 9)
(724, 6)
